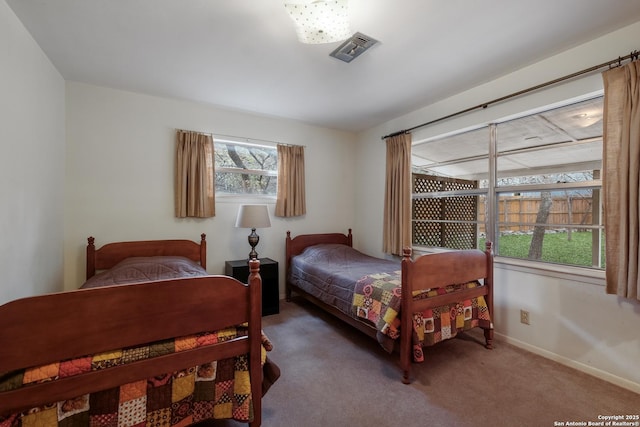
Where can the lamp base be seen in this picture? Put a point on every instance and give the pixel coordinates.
(253, 242)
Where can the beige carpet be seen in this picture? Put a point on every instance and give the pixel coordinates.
(333, 375)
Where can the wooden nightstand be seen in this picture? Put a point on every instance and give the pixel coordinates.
(239, 269)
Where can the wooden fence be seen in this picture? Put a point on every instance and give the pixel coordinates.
(520, 209)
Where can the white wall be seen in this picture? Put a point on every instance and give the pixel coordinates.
(32, 140)
(120, 166)
(572, 320)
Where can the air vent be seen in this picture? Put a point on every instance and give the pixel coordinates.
(353, 47)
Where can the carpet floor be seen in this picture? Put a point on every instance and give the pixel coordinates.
(333, 375)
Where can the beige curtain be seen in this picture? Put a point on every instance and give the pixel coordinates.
(397, 198)
(621, 178)
(291, 189)
(194, 180)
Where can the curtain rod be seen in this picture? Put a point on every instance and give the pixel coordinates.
(240, 138)
(633, 55)
(201, 133)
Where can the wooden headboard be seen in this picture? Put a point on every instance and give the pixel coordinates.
(112, 253)
(296, 245)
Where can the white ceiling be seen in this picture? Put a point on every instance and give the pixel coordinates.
(244, 54)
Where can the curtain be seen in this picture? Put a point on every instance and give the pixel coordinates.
(621, 178)
(194, 180)
(291, 188)
(397, 198)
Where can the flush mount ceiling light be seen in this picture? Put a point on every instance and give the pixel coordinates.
(320, 21)
(587, 118)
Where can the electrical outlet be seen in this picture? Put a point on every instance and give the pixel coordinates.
(524, 317)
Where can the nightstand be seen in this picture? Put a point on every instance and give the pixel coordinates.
(239, 269)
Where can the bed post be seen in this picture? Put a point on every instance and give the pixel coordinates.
(488, 333)
(406, 322)
(91, 257)
(350, 238)
(287, 264)
(255, 339)
(203, 251)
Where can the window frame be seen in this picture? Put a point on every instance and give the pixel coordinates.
(235, 197)
(492, 192)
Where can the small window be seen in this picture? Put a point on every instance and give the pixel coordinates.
(245, 168)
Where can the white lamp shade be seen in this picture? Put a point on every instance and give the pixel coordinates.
(323, 21)
(253, 216)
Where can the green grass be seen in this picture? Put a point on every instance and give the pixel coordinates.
(556, 247)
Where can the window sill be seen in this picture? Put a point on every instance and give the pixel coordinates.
(245, 198)
(567, 272)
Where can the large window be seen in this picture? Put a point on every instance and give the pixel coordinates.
(245, 169)
(531, 185)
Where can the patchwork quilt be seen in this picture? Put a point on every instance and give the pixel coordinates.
(377, 297)
(217, 390)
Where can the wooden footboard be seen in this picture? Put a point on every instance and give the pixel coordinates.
(440, 270)
(46, 329)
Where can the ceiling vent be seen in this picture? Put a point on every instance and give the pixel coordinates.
(353, 47)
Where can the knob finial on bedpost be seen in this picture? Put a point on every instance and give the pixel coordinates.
(203, 250)
(91, 258)
(406, 252)
(254, 266)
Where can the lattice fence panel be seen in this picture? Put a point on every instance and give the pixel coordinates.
(428, 212)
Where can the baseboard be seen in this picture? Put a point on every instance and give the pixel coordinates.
(598, 373)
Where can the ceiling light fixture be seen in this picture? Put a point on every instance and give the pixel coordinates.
(587, 118)
(321, 21)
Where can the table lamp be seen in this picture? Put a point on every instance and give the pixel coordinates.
(253, 216)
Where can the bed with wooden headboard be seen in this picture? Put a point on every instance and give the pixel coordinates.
(406, 304)
(112, 254)
(178, 350)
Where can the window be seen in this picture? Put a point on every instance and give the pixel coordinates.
(245, 168)
(531, 185)
(449, 190)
